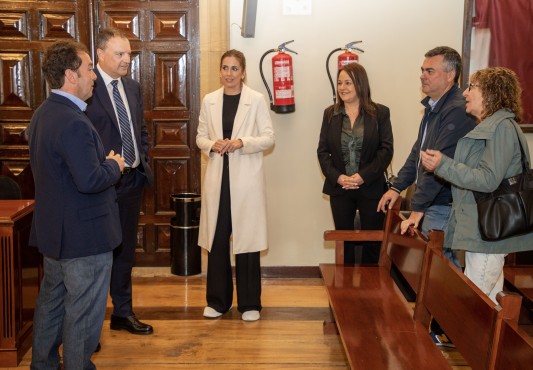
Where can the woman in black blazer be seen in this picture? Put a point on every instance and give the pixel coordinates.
(354, 150)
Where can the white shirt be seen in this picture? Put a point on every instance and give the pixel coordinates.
(107, 80)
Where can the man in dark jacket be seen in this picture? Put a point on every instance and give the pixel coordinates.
(445, 121)
(116, 112)
(76, 222)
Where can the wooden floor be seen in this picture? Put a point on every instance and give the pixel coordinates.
(288, 336)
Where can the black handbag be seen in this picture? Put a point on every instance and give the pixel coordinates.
(507, 211)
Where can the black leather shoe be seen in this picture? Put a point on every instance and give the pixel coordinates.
(130, 324)
(98, 348)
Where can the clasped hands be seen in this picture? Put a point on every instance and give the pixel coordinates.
(226, 146)
(117, 158)
(350, 182)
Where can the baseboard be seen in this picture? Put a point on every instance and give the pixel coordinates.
(290, 272)
(266, 272)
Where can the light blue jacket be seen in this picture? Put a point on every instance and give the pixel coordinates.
(483, 158)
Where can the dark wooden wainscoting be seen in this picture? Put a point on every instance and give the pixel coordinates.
(164, 36)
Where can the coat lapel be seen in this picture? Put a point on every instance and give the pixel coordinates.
(216, 113)
(370, 124)
(242, 112)
(103, 96)
(336, 131)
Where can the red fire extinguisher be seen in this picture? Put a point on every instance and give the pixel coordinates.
(282, 78)
(349, 56)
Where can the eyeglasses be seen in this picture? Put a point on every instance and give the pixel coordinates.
(471, 85)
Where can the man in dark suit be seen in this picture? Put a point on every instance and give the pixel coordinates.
(76, 220)
(116, 111)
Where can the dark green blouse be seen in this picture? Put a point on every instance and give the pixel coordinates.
(352, 142)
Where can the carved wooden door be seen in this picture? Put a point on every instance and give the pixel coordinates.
(165, 44)
(26, 29)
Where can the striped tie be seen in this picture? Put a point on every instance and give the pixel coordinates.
(128, 150)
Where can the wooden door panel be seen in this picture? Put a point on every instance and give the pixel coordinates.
(170, 178)
(169, 26)
(171, 134)
(58, 25)
(170, 84)
(127, 21)
(15, 86)
(14, 25)
(26, 29)
(13, 132)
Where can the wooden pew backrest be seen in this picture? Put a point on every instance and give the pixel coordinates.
(468, 317)
(340, 236)
(512, 347)
(406, 252)
(520, 279)
(515, 350)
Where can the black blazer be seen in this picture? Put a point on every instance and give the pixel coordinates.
(102, 114)
(376, 153)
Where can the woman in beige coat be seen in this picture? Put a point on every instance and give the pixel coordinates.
(234, 130)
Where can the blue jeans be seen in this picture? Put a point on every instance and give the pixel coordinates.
(70, 310)
(436, 217)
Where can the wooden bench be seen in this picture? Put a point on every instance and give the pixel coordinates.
(379, 329)
(374, 320)
(471, 320)
(519, 279)
(514, 348)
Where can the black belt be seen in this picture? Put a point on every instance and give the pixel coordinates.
(127, 170)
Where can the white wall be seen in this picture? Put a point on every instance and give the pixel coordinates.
(395, 35)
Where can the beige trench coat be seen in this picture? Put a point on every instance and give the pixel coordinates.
(247, 182)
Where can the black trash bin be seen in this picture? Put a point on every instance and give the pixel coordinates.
(185, 254)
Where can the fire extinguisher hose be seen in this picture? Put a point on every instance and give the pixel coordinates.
(263, 76)
(329, 74)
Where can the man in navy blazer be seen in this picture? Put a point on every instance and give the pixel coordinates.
(114, 52)
(75, 221)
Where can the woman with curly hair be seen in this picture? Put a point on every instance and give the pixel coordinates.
(487, 155)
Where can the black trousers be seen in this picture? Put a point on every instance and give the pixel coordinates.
(129, 195)
(219, 292)
(344, 209)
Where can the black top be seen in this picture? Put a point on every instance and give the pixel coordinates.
(229, 110)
